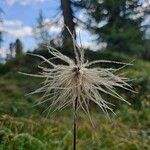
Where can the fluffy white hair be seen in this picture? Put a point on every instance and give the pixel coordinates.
(77, 80)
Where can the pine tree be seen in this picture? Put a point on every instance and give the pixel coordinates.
(18, 47)
(11, 49)
(41, 33)
(118, 23)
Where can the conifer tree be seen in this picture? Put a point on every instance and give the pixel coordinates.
(41, 33)
(118, 23)
(18, 47)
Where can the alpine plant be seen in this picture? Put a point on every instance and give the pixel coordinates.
(77, 82)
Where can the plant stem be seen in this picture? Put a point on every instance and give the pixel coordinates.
(75, 125)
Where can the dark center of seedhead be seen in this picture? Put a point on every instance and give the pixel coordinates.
(76, 70)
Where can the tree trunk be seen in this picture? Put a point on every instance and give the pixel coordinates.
(68, 22)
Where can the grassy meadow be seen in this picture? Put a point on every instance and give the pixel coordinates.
(24, 126)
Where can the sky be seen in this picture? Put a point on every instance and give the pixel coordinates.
(19, 19)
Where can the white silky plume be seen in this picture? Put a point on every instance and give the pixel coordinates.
(76, 79)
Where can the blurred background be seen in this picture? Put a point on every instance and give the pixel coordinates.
(107, 29)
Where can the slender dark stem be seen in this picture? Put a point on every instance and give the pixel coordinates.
(75, 125)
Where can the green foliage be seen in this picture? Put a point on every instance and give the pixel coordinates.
(12, 100)
(118, 23)
(4, 69)
(146, 52)
(23, 126)
(25, 141)
(128, 130)
(22, 141)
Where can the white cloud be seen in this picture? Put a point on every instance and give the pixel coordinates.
(55, 29)
(24, 2)
(3, 52)
(10, 2)
(27, 2)
(88, 40)
(51, 26)
(14, 23)
(15, 28)
(21, 32)
(146, 3)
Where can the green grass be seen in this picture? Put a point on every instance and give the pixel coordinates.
(127, 131)
(23, 126)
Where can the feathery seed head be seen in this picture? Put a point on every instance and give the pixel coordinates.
(78, 80)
